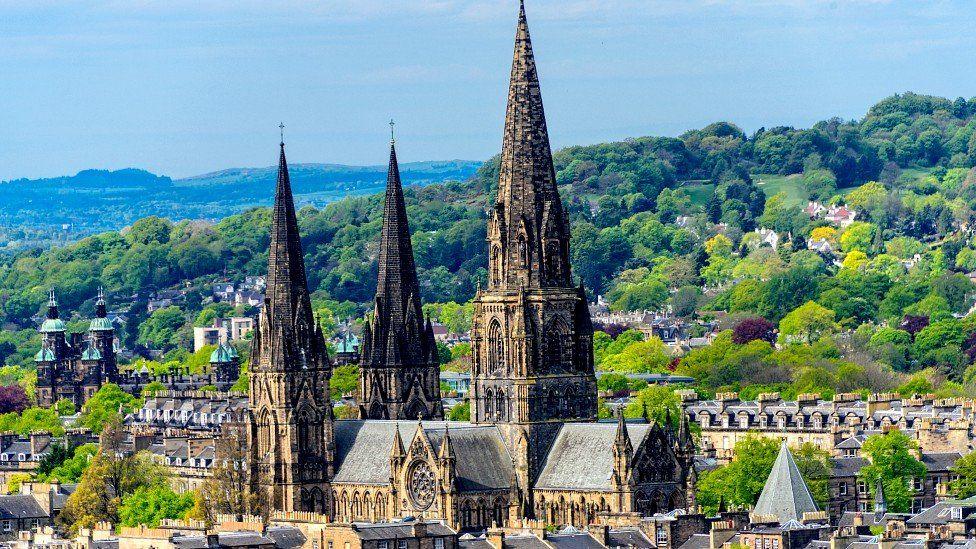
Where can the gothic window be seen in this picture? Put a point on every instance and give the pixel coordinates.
(489, 404)
(308, 438)
(467, 518)
(500, 404)
(264, 431)
(523, 250)
(552, 260)
(496, 347)
(496, 264)
(422, 485)
(558, 343)
(569, 403)
(552, 402)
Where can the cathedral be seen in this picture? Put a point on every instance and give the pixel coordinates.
(533, 448)
(69, 367)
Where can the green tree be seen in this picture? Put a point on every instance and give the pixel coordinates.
(461, 412)
(858, 236)
(104, 407)
(161, 328)
(150, 504)
(638, 357)
(965, 469)
(808, 323)
(659, 402)
(893, 463)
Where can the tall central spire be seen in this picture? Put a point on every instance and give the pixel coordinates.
(287, 286)
(528, 219)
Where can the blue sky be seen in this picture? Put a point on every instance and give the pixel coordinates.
(183, 87)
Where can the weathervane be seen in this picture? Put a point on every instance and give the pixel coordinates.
(281, 126)
(392, 135)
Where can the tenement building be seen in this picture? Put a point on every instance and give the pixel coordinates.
(533, 448)
(839, 425)
(74, 366)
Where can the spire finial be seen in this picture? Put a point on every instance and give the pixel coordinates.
(392, 132)
(51, 301)
(281, 128)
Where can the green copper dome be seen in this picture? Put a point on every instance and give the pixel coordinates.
(53, 325)
(44, 355)
(99, 324)
(91, 353)
(223, 353)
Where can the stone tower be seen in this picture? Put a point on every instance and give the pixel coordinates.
(532, 339)
(102, 338)
(290, 423)
(54, 379)
(399, 378)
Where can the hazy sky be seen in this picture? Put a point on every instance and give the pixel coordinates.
(181, 87)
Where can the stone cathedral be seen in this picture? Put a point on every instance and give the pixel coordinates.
(533, 448)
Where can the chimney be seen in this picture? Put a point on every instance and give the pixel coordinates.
(39, 440)
(496, 537)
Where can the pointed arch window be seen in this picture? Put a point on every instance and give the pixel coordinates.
(523, 250)
(496, 347)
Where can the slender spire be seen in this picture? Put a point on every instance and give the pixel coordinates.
(398, 311)
(100, 311)
(52, 305)
(287, 290)
(623, 437)
(880, 502)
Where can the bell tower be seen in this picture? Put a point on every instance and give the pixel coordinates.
(289, 423)
(532, 339)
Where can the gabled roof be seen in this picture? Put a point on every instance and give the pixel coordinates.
(581, 458)
(363, 452)
(785, 494)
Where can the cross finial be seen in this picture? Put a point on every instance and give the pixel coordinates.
(281, 127)
(392, 134)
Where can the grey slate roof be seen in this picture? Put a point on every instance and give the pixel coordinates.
(941, 513)
(629, 537)
(20, 507)
(785, 494)
(524, 541)
(847, 466)
(398, 530)
(581, 458)
(575, 540)
(940, 461)
(286, 537)
(697, 541)
(363, 452)
(469, 541)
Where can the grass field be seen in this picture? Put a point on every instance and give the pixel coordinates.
(790, 184)
(699, 192)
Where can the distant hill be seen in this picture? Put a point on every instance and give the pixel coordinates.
(55, 210)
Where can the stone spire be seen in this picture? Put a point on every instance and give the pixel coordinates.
(880, 502)
(399, 375)
(785, 495)
(52, 306)
(528, 223)
(287, 291)
(398, 322)
(289, 422)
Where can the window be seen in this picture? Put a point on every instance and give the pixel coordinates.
(775, 544)
(401, 544)
(662, 537)
(917, 484)
(862, 487)
(438, 543)
(957, 513)
(383, 544)
(842, 489)
(8, 525)
(766, 543)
